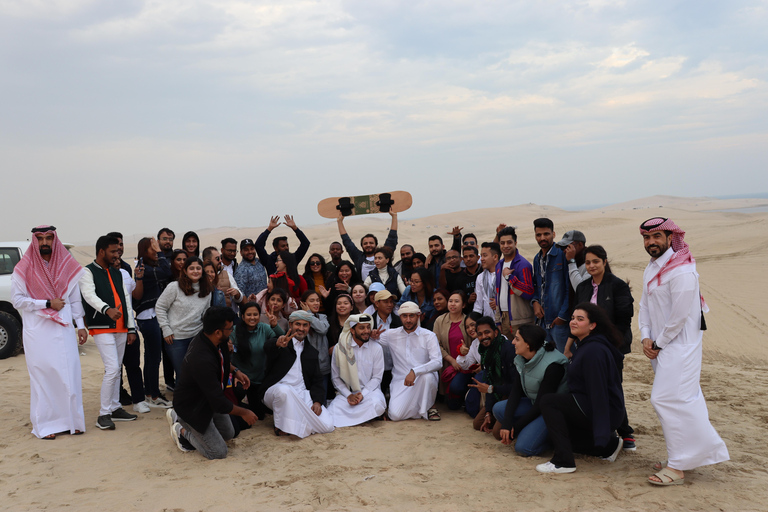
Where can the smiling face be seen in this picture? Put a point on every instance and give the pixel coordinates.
(300, 329)
(313, 301)
(229, 251)
(656, 243)
(580, 324)
(316, 265)
(469, 325)
(385, 307)
(210, 273)
(194, 272)
(490, 259)
(248, 253)
(343, 307)
(359, 293)
(369, 245)
(455, 304)
(190, 245)
(361, 333)
(251, 317)
(508, 246)
(595, 265)
(179, 259)
(345, 273)
(485, 334)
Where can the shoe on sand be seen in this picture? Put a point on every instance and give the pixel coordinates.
(548, 467)
(105, 423)
(667, 477)
(122, 415)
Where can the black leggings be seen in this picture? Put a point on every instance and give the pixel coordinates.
(570, 430)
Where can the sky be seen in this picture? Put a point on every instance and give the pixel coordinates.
(134, 115)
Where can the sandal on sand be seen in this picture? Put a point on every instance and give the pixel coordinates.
(667, 477)
(433, 414)
(49, 437)
(280, 433)
(78, 433)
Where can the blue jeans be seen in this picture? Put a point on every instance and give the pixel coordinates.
(532, 440)
(558, 334)
(458, 388)
(153, 347)
(472, 401)
(177, 351)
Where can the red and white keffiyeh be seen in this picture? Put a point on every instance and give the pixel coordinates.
(682, 255)
(48, 280)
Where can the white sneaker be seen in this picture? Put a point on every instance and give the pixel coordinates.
(171, 416)
(176, 436)
(158, 402)
(548, 467)
(141, 407)
(612, 457)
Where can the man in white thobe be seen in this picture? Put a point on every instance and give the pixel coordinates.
(417, 359)
(356, 370)
(671, 324)
(293, 385)
(44, 289)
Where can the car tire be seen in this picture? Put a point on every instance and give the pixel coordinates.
(10, 335)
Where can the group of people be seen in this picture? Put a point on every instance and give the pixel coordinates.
(532, 351)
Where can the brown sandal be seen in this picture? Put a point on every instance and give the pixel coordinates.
(49, 437)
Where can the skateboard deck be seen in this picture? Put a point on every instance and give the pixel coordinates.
(397, 202)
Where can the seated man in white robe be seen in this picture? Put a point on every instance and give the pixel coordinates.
(293, 385)
(417, 359)
(356, 370)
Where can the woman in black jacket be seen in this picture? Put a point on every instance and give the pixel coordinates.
(584, 420)
(613, 295)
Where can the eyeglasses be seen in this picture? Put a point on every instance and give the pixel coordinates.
(653, 223)
(313, 263)
(451, 257)
(470, 243)
(166, 239)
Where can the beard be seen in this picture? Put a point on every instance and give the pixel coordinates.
(45, 250)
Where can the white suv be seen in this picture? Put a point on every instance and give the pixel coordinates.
(10, 319)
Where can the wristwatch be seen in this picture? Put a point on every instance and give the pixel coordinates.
(490, 389)
(48, 304)
(572, 260)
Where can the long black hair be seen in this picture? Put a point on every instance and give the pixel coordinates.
(291, 269)
(241, 331)
(604, 326)
(535, 337)
(599, 251)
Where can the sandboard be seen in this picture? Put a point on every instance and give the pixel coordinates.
(386, 202)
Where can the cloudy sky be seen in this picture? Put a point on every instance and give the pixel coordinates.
(134, 114)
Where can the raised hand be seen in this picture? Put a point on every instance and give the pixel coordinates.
(290, 222)
(282, 341)
(500, 227)
(455, 231)
(273, 222)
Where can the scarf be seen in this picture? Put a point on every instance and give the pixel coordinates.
(345, 355)
(490, 360)
(48, 280)
(682, 255)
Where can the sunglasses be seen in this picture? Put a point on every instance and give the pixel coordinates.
(313, 263)
(470, 243)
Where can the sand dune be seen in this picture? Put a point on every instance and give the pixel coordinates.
(418, 465)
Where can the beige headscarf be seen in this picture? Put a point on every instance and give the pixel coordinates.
(345, 356)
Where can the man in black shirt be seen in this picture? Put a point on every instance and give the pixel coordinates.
(200, 413)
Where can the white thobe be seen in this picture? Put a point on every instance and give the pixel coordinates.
(53, 362)
(671, 316)
(485, 290)
(418, 351)
(369, 359)
(291, 403)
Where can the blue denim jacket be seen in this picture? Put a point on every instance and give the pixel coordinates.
(553, 295)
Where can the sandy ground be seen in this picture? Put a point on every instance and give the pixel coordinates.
(419, 465)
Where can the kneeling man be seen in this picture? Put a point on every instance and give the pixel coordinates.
(293, 385)
(357, 368)
(200, 414)
(417, 359)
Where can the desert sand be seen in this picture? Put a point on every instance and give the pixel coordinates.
(446, 465)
